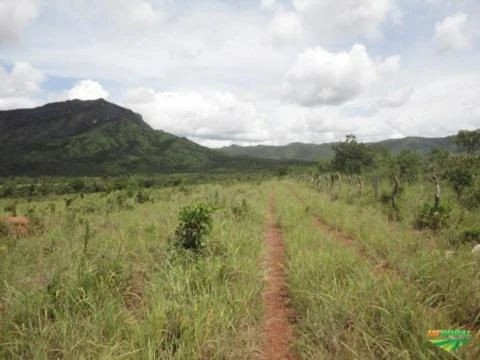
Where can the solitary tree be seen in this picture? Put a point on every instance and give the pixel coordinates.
(409, 164)
(351, 157)
(468, 141)
(438, 160)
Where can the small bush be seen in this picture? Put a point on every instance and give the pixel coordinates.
(143, 197)
(431, 217)
(11, 208)
(239, 210)
(385, 198)
(471, 198)
(471, 236)
(3, 229)
(51, 208)
(68, 202)
(195, 224)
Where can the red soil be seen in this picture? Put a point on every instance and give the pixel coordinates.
(379, 267)
(17, 224)
(278, 332)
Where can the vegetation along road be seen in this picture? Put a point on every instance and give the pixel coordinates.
(234, 270)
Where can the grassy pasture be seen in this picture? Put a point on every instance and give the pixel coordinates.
(101, 281)
(99, 278)
(346, 310)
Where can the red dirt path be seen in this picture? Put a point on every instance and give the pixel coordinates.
(278, 332)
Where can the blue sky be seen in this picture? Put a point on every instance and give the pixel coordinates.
(252, 71)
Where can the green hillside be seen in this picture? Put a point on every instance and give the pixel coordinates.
(316, 152)
(99, 138)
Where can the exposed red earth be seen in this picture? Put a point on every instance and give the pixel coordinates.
(278, 331)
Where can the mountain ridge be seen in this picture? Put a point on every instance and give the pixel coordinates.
(95, 137)
(316, 152)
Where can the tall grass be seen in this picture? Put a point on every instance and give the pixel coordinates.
(427, 290)
(101, 282)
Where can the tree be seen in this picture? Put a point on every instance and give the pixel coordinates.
(383, 159)
(460, 172)
(438, 160)
(409, 164)
(77, 185)
(352, 157)
(8, 188)
(323, 166)
(468, 141)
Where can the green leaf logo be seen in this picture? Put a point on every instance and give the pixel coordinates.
(450, 344)
(449, 340)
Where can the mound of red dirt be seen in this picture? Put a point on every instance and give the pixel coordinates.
(17, 225)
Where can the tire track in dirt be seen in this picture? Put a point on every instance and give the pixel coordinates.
(278, 331)
(378, 267)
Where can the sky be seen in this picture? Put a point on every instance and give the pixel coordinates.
(249, 72)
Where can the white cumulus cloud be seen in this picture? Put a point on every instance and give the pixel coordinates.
(347, 18)
(267, 4)
(397, 98)
(139, 95)
(85, 90)
(286, 26)
(14, 16)
(219, 116)
(19, 85)
(319, 77)
(22, 80)
(439, 108)
(451, 33)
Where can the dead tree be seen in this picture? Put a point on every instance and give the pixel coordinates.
(360, 183)
(395, 192)
(376, 182)
(339, 179)
(437, 192)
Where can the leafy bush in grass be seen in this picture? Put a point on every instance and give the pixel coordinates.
(195, 223)
(471, 236)
(11, 208)
(471, 198)
(431, 217)
(239, 209)
(3, 229)
(142, 197)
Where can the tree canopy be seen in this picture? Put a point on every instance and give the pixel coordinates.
(352, 157)
(468, 141)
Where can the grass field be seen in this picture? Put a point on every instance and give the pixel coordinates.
(373, 289)
(101, 283)
(99, 279)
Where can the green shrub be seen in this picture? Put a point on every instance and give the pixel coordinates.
(386, 198)
(11, 208)
(142, 197)
(3, 229)
(77, 185)
(51, 208)
(195, 224)
(68, 202)
(239, 209)
(471, 198)
(431, 217)
(471, 236)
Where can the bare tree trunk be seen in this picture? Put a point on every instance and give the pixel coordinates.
(437, 192)
(395, 192)
(360, 183)
(376, 182)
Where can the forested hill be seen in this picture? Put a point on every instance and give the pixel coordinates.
(315, 152)
(80, 138)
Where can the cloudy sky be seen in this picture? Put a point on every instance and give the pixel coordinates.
(252, 71)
